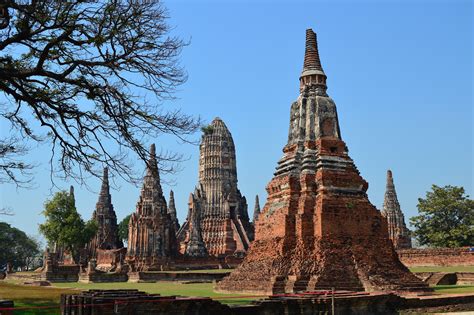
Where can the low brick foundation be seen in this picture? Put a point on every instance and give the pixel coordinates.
(97, 302)
(136, 302)
(175, 276)
(60, 273)
(102, 277)
(437, 257)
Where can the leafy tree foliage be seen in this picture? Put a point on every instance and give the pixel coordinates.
(64, 226)
(446, 218)
(90, 78)
(16, 247)
(123, 228)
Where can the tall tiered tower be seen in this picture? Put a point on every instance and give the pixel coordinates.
(318, 229)
(224, 221)
(397, 230)
(151, 233)
(107, 234)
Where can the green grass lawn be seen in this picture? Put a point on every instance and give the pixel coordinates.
(27, 296)
(454, 289)
(443, 269)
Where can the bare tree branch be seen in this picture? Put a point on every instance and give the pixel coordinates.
(94, 76)
(6, 211)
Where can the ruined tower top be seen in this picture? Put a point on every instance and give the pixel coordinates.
(217, 167)
(217, 149)
(313, 73)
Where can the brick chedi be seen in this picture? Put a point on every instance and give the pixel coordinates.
(224, 220)
(397, 230)
(318, 229)
(107, 236)
(151, 234)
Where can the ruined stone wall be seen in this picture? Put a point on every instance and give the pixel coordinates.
(437, 257)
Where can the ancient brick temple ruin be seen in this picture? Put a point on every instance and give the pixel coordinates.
(107, 237)
(318, 229)
(151, 237)
(223, 219)
(397, 230)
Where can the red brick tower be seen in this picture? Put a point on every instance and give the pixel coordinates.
(318, 229)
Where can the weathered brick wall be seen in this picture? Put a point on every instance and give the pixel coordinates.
(437, 257)
(107, 259)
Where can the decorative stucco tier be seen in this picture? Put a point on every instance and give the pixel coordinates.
(217, 208)
(318, 229)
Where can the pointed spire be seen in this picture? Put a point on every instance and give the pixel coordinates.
(390, 200)
(152, 177)
(256, 211)
(390, 179)
(104, 204)
(104, 189)
(71, 194)
(152, 163)
(311, 54)
(313, 73)
(172, 211)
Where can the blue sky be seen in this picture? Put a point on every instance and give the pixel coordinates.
(400, 73)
